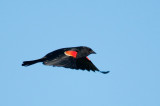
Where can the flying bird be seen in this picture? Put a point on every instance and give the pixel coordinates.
(73, 57)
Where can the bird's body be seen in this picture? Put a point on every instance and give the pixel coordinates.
(73, 57)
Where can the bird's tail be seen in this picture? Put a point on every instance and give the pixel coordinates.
(28, 63)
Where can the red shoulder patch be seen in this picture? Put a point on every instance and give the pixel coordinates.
(71, 53)
(88, 58)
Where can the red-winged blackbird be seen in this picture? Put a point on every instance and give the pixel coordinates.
(73, 57)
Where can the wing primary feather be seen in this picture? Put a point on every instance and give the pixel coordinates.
(81, 65)
(91, 67)
(104, 72)
(87, 67)
(85, 64)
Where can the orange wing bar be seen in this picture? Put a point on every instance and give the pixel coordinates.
(71, 53)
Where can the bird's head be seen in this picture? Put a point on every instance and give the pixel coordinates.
(85, 51)
(89, 50)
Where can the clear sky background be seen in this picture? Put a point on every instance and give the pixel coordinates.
(124, 33)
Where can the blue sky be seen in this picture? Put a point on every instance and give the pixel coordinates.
(125, 34)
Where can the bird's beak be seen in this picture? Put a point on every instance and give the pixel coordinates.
(93, 52)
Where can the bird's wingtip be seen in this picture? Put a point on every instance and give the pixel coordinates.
(104, 72)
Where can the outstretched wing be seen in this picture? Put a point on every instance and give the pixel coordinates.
(85, 64)
(68, 59)
(63, 59)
